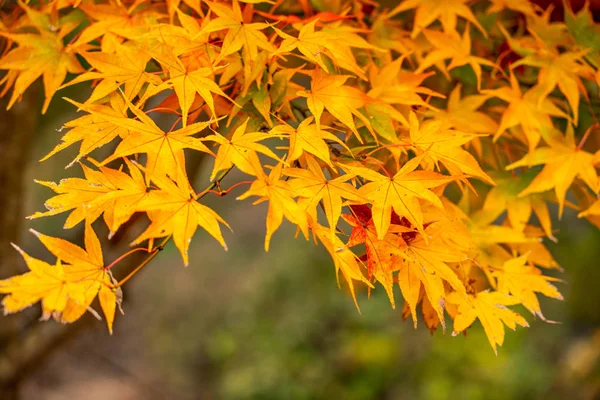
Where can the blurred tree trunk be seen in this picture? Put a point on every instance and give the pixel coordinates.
(17, 127)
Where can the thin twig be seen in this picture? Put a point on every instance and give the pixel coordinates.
(153, 253)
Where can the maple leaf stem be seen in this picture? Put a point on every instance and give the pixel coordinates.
(386, 146)
(163, 109)
(381, 166)
(91, 161)
(153, 253)
(222, 193)
(587, 135)
(178, 120)
(122, 257)
(214, 184)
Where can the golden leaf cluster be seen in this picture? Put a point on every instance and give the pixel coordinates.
(422, 146)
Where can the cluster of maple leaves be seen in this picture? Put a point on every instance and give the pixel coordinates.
(404, 141)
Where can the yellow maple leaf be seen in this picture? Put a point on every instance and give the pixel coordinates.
(425, 261)
(563, 161)
(344, 260)
(311, 183)
(333, 42)
(504, 197)
(428, 11)
(164, 149)
(65, 290)
(328, 92)
(175, 211)
(83, 196)
(108, 191)
(38, 55)
(392, 85)
(490, 308)
(462, 114)
(93, 131)
(529, 110)
(241, 150)
(240, 34)
(126, 68)
(309, 138)
(451, 45)
(564, 70)
(188, 79)
(280, 195)
(437, 144)
(110, 20)
(400, 192)
(522, 281)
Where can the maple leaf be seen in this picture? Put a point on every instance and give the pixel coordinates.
(283, 90)
(281, 196)
(490, 308)
(344, 259)
(428, 11)
(65, 290)
(187, 80)
(122, 203)
(164, 149)
(462, 114)
(312, 184)
(38, 55)
(125, 67)
(240, 34)
(584, 30)
(504, 197)
(562, 70)
(527, 109)
(108, 191)
(241, 150)
(563, 161)
(111, 20)
(309, 138)
(524, 7)
(489, 244)
(93, 131)
(557, 69)
(381, 263)
(425, 261)
(166, 43)
(451, 45)
(522, 281)
(400, 192)
(329, 92)
(79, 195)
(430, 316)
(174, 210)
(392, 85)
(333, 42)
(173, 6)
(484, 235)
(438, 144)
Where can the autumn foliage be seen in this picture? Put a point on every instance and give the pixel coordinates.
(421, 146)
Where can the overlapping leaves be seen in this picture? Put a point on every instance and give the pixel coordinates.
(358, 128)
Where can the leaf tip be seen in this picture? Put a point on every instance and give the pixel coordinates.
(36, 233)
(17, 248)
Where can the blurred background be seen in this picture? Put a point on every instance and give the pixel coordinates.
(246, 324)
